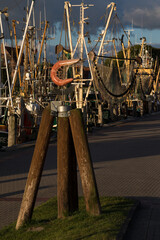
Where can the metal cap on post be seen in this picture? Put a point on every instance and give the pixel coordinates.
(63, 111)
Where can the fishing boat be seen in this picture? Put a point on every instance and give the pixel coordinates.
(125, 79)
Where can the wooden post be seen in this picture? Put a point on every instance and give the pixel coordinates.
(149, 106)
(110, 107)
(100, 114)
(141, 108)
(11, 130)
(84, 162)
(67, 193)
(36, 167)
(134, 108)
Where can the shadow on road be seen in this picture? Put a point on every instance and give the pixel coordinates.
(133, 139)
(10, 194)
(145, 224)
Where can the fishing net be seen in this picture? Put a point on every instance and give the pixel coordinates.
(113, 83)
(144, 84)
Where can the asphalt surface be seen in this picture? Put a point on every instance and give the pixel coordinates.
(126, 160)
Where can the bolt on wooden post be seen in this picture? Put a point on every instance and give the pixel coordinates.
(67, 193)
(84, 162)
(36, 167)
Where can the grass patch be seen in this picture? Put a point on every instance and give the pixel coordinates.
(46, 226)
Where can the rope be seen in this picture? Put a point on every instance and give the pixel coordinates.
(123, 28)
(101, 56)
(66, 32)
(62, 29)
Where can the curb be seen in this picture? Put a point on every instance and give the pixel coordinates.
(127, 221)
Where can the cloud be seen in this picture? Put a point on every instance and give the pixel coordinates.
(143, 17)
(144, 13)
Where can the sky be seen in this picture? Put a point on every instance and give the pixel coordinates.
(141, 15)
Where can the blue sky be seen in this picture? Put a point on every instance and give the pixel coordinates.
(152, 36)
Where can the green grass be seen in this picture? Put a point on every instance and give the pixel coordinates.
(76, 227)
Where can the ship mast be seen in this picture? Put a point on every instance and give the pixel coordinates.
(23, 40)
(82, 20)
(103, 42)
(129, 52)
(113, 8)
(82, 44)
(5, 58)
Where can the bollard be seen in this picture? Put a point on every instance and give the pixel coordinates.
(84, 162)
(100, 114)
(36, 167)
(11, 130)
(67, 193)
(134, 108)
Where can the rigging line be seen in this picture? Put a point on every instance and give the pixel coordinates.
(20, 8)
(17, 33)
(101, 56)
(9, 29)
(112, 25)
(4, 84)
(100, 37)
(60, 40)
(66, 33)
(106, 15)
(18, 3)
(18, 28)
(71, 18)
(96, 43)
(123, 29)
(14, 5)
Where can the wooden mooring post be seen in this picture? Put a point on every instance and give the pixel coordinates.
(35, 172)
(11, 129)
(71, 139)
(84, 162)
(67, 190)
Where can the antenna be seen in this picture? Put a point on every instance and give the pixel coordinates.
(40, 14)
(27, 4)
(136, 39)
(34, 22)
(142, 26)
(45, 11)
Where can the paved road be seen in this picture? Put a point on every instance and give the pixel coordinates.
(126, 161)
